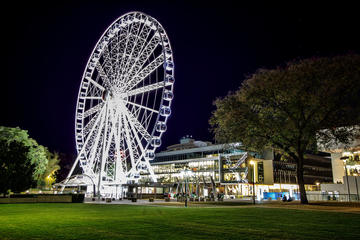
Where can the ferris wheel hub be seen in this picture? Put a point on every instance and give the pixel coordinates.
(107, 95)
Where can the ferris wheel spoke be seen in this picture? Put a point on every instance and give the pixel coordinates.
(142, 130)
(104, 153)
(129, 142)
(120, 49)
(96, 84)
(135, 144)
(125, 46)
(120, 168)
(146, 120)
(115, 55)
(93, 110)
(145, 89)
(107, 65)
(122, 142)
(133, 38)
(108, 142)
(139, 143)
(117, 46)
(87, 128)
(145, 72)
(140, 40)
(90, 139)
(145, 33)
(110, 121)
(146, 52)
(92, 98)
(140, 106)
(94, 148)
(102, 74)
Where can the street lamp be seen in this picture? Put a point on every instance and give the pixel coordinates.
(253, 182)
(346, 174)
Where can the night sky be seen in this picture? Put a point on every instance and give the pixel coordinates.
(45, 49)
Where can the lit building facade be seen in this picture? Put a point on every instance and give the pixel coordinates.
(212, 169)
(346, 170)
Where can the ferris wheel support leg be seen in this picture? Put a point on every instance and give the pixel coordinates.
(151, 171)
(104, 156)
(80, 153)
(70, 173)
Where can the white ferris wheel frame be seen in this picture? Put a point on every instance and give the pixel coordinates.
(124, 101)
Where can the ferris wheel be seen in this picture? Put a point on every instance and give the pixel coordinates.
(124, 101)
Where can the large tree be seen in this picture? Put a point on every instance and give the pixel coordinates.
(16, 168)
(286, 108)
(22, 160)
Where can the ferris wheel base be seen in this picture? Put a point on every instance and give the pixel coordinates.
(83, 183)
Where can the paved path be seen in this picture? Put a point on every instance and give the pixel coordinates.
(318, 206)
(156, 202)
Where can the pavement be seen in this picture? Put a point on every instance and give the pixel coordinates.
(126, 202)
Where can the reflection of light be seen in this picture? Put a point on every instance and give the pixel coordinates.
(317, 183)
(252, 162)
(347, 154)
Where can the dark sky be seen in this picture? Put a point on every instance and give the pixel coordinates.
(45, 48)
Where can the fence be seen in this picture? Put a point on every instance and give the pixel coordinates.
(333, 197)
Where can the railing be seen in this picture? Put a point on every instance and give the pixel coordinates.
(333, 197)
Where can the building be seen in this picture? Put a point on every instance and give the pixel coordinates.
(346, 171)
(317, 169)
(206, 169)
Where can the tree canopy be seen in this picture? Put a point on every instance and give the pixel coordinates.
(285, 108)
(22, 160)
(16, 168)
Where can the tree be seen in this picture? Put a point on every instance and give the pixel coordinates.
(286, 108)
(16, 168)
(21, 159)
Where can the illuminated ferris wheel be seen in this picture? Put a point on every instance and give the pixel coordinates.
(124, 101)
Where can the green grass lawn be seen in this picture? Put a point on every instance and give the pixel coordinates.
(90, 221)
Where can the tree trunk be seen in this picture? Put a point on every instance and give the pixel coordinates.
(300, 178)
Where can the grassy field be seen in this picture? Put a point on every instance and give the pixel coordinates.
(92, 221)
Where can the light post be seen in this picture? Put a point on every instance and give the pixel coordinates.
(253, 182)
(346, 174)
